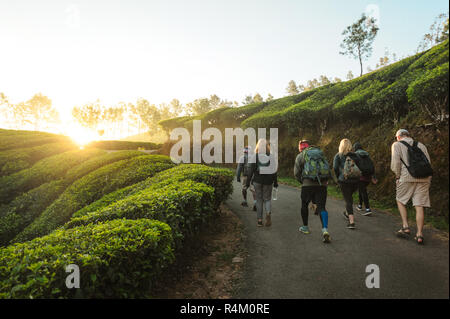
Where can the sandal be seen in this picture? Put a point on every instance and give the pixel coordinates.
(404, 232)
(419, 240)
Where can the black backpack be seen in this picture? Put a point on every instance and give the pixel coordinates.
(365, 163)
(419, 166)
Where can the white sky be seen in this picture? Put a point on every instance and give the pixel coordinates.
(79, 51)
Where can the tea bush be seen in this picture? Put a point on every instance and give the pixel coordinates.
(184, 206)
(91, 187)
(14, 160)
(45, 170)
(117, 259)
(219, 179)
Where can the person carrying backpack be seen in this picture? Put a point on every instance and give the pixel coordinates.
(312, 170)
(262, 181)
(345, 165)
(243, 169)
(411, 165)
(367, 176)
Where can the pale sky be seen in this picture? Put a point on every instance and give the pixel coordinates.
(79, 51)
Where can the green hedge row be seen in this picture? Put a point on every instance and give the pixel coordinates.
(184, 206)
(14, 160)
(219, 179)
(117, 259)
(123, 145)
(12, 139)
(92, 187)
(45, 170)
(25, 208)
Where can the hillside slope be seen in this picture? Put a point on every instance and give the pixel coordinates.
(122, 217)
(411, 93)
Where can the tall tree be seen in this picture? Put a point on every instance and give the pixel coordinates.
(176, 107)
(258, 98)
(248, 100)
(199, 106)
(89, 115)
(350, 75)
(148, 114)
(438, 32)
(324, 80)
(358, 39)
(36, 111)
(269, 97)
(292, 88)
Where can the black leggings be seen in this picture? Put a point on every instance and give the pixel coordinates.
(362, 192)
(315, 194)
(347, 190)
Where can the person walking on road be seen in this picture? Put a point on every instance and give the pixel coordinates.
(312, 170)
(263, 175)
(243, 169)
(367, 176)
(411, 165)
(345, 165)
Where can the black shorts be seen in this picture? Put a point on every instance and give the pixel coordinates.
(316, 194)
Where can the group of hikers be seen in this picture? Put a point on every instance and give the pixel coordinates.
(353, 171)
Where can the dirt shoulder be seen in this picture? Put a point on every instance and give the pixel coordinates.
(211, 266)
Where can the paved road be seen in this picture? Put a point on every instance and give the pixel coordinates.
(284, 263)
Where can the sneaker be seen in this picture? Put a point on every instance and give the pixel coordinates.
(304, 229)
(345, 215)
(351, 226)
(326, 236)
(359, 207)
(268, 220)
(244, 203)
(260, 223)
(367, 212)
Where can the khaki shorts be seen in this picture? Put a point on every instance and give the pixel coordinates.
(419, 192)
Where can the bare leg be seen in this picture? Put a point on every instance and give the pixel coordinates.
(420, 216)
(403, 214)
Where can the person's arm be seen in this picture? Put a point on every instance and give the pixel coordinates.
(251, 170)
(239, 170)
(275, 180)
(336, 165)
(298, 169)
(395, 159)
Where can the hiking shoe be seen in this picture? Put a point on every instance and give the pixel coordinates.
(260, 223)
(254, 208)
(359, 207)
(244, 203)
(345, 215)
(304, 229)
(367, 212)
(268, 220)
(351, 226)
(326, 236)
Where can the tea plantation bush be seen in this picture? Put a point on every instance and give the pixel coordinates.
(12, 161)
(92, 187)
(184, 206)
(43, 171)
(123, 145)
(219, 179)
(117, 259)
(25, 208)
(13, 139)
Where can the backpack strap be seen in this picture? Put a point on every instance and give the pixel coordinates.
(408, 146)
